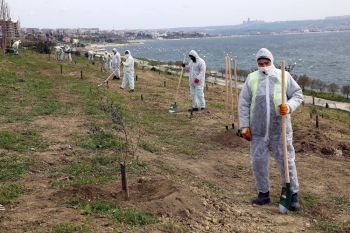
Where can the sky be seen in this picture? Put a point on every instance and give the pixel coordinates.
(160, 14)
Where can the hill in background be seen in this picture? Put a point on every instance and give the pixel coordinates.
(328, 24)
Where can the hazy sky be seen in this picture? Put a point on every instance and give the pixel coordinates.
(153, 14)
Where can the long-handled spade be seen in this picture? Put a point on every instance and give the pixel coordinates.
(174, 106)
(101, 84)
(286, 194)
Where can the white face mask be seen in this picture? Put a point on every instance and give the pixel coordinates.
(126, 55)
(266, 70)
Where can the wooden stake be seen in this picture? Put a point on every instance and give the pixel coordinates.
(124, 179)
(236, 90)
(226, 82)
(231, 93)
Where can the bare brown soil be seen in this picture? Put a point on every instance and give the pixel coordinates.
(210, 191)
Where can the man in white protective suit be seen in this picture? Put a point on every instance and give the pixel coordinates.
(128, 68)
(260, 109)
(91, 55)
(115, 64)
(68, 53)
(197, 70)
(15, 46)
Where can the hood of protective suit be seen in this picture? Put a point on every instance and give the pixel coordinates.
(128, 52)
(193, 53)
(265, 53)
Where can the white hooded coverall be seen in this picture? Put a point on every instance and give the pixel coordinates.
(107, 60)
(15, 46)
(128, 68)
(257, 109)
(91, 55)
(115, 62)
(67, 52)
(197, 70)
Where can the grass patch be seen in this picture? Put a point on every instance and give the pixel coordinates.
(327, 95)
(9, 191)
(99, 140)
(310, 200)
(25, 140)
(165, 166)
(148, 146)
(170, 227)
(13, 166)
(208, 185)
(85, 173)
(68, 227)
(130, 216)
(341, 201)
(186, 150)
(333, 226)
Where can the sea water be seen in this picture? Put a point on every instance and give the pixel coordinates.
(323, 56)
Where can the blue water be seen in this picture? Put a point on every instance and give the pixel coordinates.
(324, 56)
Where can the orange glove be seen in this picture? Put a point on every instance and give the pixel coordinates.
(284, 109)
(246, 134)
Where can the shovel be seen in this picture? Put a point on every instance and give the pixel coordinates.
(101, 84)
(286, 194)
(173, 106)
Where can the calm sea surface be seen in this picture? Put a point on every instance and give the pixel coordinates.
(324, 56)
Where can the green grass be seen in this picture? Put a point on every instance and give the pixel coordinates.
(209, 186)
(24, 140)
(9, 191)
(148, 146)
(85, 173)
(99, 140)
(131, 216)
(68, 227)
(327, 96)
(165, 166)
(13, 166)
(171, 227)
(310, 200)
(335, 227)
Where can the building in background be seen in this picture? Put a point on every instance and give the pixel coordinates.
(9, 30)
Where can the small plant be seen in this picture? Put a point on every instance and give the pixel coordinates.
(129, 131)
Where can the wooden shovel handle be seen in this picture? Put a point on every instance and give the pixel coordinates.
(236, 90)
(178, 85)
(231, 93)
(227, 67)
(109, 76)
(284, 136)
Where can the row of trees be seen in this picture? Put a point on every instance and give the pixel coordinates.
(316, 84)
(303, 80)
